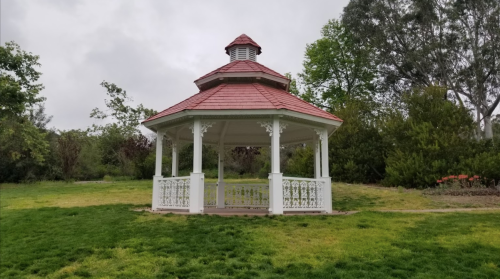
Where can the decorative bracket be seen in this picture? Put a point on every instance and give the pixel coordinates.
(204, 127)
(283, 127)
(320, 134)
(269, 126)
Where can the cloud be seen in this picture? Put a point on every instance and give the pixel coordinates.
(153, 49)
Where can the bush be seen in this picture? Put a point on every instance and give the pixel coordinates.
(356, 149)
(428, 138)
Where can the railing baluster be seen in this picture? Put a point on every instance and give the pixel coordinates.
(302, 193)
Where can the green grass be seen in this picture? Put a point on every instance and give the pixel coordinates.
(99, 236)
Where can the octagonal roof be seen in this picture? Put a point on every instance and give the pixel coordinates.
(245, 96)
(243, 88)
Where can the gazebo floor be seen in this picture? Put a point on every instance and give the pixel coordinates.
(226, 212)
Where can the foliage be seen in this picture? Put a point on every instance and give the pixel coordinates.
(18, 88)
(421, 43)
(69, 148)
(301, 162)
(23, 146)
(426, 141)
(137, 149)
(293, 85)
(127, 119)
(357, 148)
(337, 69)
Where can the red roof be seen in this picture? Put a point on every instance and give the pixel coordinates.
(244, 40)
(250, 96)
(242, 66)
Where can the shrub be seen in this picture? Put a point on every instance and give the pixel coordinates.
(427, 138)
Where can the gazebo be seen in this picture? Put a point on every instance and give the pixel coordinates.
(241, 104)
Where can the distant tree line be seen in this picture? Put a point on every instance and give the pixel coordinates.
(415, 81)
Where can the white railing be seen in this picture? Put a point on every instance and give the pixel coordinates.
(174, 192)
(301, 194)
(210, 195)
(246, 195)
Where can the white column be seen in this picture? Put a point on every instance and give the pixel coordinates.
(275, 177)
(175, 159)
(197, 146)
(157, 176)
(197, 177)
(317, 158)
(220, 183)
(275, 146)
(159, 152)
(324, 154)
(325, 171)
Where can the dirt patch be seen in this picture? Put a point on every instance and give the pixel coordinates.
(96, 182)
(468, 201)
(463, 191)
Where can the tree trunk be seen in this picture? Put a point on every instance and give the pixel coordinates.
(478, 123)
(488, 128)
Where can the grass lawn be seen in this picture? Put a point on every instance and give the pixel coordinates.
(59, 230)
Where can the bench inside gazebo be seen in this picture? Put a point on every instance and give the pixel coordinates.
(243, 104)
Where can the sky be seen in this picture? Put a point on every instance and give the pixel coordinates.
(153, 49)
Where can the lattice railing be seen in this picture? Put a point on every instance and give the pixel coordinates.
(210, 195)
(246, 195)
(174, 192)
(303, 194)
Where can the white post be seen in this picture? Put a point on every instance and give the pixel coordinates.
(276, 177)
(317, 159)
(157, 176)
(175, 160)
(325, 172)
(197, 177)
(220, 183)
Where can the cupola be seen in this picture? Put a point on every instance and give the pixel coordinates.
(243, 48)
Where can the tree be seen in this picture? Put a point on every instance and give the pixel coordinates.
(336, 69)
(421, 43)
(427, 140)
(69, 147)
(22, 144)
(293, 85)
(127, 119)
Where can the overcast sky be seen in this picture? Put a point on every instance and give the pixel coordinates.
(153, 49)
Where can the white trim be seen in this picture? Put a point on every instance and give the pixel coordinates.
(260, 112)
(257, 74)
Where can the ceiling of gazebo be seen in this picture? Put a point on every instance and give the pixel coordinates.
(246, 132)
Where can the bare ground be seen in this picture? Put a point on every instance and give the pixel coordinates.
(468, 201)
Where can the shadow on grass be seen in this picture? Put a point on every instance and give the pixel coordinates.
(360, 202)
(42, 241)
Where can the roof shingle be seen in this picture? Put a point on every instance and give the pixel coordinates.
(250, 96)
(243, 66)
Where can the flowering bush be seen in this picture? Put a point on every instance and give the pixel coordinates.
(464, 181)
